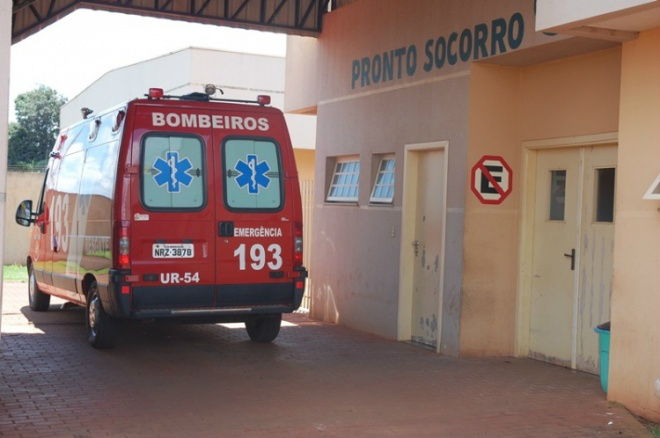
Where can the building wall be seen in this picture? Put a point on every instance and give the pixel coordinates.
(555, 14)
(491, 231)
(551, 91)
(239, 75)
(20, 186)
(578, 96)
(302, 75)
(305, 163)
(364, 112)
(634, 356)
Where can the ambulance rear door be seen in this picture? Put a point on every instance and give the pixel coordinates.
(255, 225)
(172, 215)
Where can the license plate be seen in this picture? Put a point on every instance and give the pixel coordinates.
(173, 251)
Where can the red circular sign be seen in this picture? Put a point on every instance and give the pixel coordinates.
(492, 179)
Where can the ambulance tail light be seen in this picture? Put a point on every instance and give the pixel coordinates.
(263, 100)
(123, 248)
(297, 244)
(156, 93)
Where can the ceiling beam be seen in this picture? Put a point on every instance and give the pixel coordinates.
(296, 17)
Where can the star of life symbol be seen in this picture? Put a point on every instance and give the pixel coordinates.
(252, 174)
(172, 172)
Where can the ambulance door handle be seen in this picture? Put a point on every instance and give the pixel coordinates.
(226, 229)
(572, 257)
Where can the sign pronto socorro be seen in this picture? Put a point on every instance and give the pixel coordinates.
(492, 179)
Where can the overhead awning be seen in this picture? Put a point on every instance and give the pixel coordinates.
(297, 17)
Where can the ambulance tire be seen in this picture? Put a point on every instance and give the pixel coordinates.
(39, 301)
(264, 328)
(100, 326)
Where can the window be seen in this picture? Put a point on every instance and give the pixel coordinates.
(344, 183)
(383, 190)
(172, 172)
(557, 194)
(252, 174)
(605, 195)
(68, 179)
(99, 170)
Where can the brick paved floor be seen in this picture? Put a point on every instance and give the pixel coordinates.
(315, 380)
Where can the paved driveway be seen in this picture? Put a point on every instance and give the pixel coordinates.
(315, 380)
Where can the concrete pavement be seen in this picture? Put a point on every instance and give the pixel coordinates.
(314, 380)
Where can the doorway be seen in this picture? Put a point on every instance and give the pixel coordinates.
(423, 244)
(571, 239)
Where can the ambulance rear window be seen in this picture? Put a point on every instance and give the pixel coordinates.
(172, 172)
(252, 174)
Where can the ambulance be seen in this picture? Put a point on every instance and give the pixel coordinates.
(179, 207)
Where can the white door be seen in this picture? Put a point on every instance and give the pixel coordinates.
(427, 274)
(572, 256)
(596, 253)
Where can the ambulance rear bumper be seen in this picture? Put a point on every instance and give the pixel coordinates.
(215, 302)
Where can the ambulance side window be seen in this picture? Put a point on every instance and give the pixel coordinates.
(99, 170)
(172, 172)
(98, 182)
(68, 180)
(252, 173)
(42, 196)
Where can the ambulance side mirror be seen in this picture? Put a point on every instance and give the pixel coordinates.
(24, 214)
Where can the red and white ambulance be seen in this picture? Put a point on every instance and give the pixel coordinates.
(171, 207)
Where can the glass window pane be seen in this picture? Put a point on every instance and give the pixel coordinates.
(344, 186)
(172, 172)
(383, 189)
(252, 174)
(605, 179)
(557, 194)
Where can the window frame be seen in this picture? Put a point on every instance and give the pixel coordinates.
(380, 171)
(597, 199)
(562, 175)
(331, 186)
(204, 175)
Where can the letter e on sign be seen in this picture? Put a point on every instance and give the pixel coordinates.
(492, 179)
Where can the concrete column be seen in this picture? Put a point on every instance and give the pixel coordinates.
(5, 46)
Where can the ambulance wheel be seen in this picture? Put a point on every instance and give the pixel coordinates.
(39, 301)
(264, 328)
(100, 326)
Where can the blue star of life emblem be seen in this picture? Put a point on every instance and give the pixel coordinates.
(252, 174)
(172, 172)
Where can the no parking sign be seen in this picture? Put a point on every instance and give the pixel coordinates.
(492, 179)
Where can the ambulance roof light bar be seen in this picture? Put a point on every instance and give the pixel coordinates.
(263, 99)
(155, 93)
(158, 93)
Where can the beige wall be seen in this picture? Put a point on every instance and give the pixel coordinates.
(576, 96)
(357, 247)
(551, 88)
(491, 231)
(573, 97)
(20, 186)
(634, 355)
(553, 14)
(301, 78)
(305, 163)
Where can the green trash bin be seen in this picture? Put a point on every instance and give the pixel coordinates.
(603, 331)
